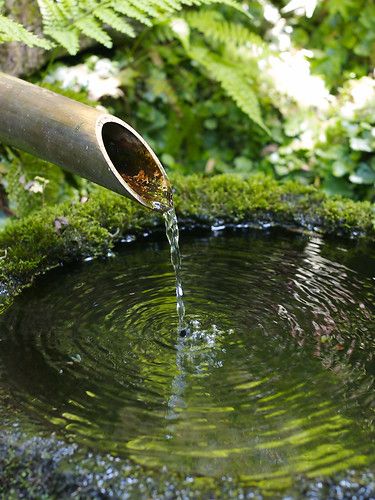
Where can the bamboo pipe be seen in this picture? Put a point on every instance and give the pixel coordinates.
(87, 142)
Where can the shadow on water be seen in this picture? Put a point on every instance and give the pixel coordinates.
(275, 378)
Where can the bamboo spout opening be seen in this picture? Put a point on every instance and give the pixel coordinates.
(137, 165)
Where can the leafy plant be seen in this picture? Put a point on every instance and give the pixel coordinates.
(336, 150)
(11, 31)
(32, 183)
(341, 35)
(235, 81)
(65, 21)
(227, 52)
(174, 79)
(180, 108)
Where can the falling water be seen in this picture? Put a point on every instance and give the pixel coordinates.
(171, 228)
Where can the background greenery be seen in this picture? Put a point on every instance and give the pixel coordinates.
(285, 88)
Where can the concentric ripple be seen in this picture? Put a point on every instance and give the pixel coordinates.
(275, 379)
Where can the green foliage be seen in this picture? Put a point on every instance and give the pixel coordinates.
(32, 183)
(216, 28)
(234, 79)
(11, 31)
(338, 154)
(342, 36)
(228, 52)
(183, 113)
(348, 154)
(65, 21)
(178, 73)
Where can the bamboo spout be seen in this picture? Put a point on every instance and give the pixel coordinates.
(83, 140)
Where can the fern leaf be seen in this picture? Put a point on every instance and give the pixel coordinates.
(70, 8)
(230, 3)
(161, 6)
(213, 27)
(171, 5)
(132, 11)
(162, 34)
(233, 81)
(52, 16)
(65, 20)
(91, 28)
(147, 7)
(11, 31)
(69, 39)
(111, 18)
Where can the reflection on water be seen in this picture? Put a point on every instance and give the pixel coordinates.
(275, 379)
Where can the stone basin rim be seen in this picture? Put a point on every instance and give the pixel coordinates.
(68, 232)
(9, 288)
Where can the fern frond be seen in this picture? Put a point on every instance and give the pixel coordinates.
(147, 7)
(111, 18)
(230, 3)
(91, 28)
(171, 5)
(69, 8)
(65, 20)
(69, 39)
(11, 31)
(218, 30)
(162, 34)
(132, 11)
(53, 17)
(233, 81)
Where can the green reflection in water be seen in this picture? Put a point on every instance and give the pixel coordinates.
(275, 379)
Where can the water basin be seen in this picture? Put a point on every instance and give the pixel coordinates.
(275, 378)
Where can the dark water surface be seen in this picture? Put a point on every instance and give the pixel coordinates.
(275, 379)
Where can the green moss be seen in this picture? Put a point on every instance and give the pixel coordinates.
(348, 214)
(262, 198)
(69, 232)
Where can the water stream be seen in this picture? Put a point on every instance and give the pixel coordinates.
(172, 232)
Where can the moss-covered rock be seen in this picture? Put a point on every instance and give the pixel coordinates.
(69, 232)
